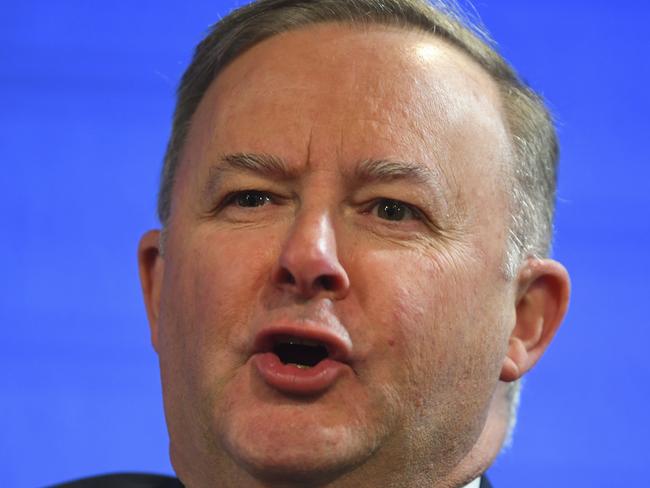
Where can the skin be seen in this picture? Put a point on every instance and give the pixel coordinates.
(434, 327)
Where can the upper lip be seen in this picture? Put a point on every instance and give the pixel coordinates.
(338, 348)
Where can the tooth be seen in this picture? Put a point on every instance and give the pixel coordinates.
(303, 342)
(300, 366)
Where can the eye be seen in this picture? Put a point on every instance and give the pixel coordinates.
(394, 210)
(248, 198)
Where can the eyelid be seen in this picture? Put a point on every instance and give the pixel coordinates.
(232, 196)
(229, 198)
(415, 211)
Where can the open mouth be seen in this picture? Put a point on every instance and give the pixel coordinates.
(302, 353)
(302, 361)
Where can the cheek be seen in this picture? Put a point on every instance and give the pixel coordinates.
(210, 285)
(438, 356)
(435, 314)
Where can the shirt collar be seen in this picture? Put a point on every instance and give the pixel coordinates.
(474, 484)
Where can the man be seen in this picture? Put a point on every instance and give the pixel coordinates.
(356, 206)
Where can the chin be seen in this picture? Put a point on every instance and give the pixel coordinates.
(296, 447)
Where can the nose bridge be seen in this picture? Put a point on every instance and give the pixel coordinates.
(308, 262)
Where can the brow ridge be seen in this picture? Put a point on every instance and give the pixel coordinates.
(368, 171)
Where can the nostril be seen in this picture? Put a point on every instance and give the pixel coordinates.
(309, 281)
(286, 277)
(325, 282)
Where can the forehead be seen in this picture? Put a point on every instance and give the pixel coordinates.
(333, 94)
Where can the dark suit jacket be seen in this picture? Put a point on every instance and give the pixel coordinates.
(485, 483)
(148, 481)
(124, 480)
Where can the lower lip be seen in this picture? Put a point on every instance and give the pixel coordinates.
(288, 378)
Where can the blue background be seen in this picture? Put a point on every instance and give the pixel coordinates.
(86, 96)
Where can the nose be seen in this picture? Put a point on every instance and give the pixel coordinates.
(308, 264)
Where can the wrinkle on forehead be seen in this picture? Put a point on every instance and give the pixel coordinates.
(276, 72)
(327, 95)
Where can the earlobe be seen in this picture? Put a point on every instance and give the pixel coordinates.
(515, 358)
(151, 265)
(542, 301)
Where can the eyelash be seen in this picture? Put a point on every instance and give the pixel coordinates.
(231, 198)
(415, 213)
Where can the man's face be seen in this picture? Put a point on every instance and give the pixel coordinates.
(341, 199)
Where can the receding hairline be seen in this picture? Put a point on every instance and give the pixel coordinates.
(479, 77)
(336, 29)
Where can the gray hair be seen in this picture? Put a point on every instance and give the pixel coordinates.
(534, 141)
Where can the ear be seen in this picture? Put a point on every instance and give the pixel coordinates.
(151, 265)
(543, 289)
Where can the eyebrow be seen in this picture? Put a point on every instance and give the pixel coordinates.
(368, 171)
(265, 165)
(385, 170)
(262, 164)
